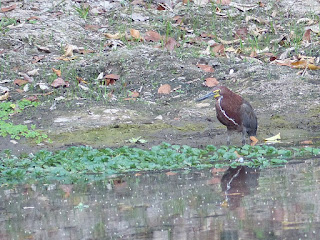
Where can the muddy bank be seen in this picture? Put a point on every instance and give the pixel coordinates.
(99, 115)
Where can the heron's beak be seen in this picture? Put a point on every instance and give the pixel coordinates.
(209, 95)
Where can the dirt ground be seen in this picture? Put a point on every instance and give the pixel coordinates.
(285, 99)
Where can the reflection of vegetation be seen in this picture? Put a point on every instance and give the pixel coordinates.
(17, 131)
(77, 163)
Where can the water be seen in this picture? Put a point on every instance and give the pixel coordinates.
(242, 203)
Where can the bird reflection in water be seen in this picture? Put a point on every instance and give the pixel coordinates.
(236, 183)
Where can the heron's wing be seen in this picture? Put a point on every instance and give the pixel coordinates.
(249, 118)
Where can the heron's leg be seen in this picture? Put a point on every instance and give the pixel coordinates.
(244, 131)
(228, 136)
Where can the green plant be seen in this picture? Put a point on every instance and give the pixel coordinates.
(5, 22)
(83, 11)
(89, 164)
(137, 140)
(19, 130)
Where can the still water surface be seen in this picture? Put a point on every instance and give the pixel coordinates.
(241, 203)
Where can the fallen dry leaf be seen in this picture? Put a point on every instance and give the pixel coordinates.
(33, 72)
(110, 79)
(37, 59)
(20, 82)
(112, 36)
(81, 80)
(307, 35)
(211, 82)
(135, 94)
(130, 99)
(254, 140)
(218, 49)
(5, 96)
(274, 138)
(171, 173)
(171, 44)
(43, 49)
(152, 36)
(205, 68)
(57, 72)
(67, 58)
(112, 76)
(91, 27)
(33, 18)
(135, 34)
(304, 64)
(85, 51)
(69, 50)
(207, 35)
(58, 83)
(253, 54)
(306, 142)
(243, 7)
(164, 89)
(32, 98)
(7, 9)
(223, 2)
(241, 33)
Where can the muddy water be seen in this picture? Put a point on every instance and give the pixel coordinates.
(242, 203)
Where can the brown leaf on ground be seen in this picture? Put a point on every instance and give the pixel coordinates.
(307, 35)
(33, 18)
(69, 50)
(91, 27)
(81, 80)
(135, 94)
(112, 36)
(67, 58)
(59, 82)
(241, 33)
(164, 89)
(254, 140)
(223, 2)
(20, 82)
(132, 96)
(135, 34)
(304, 64)
(178, 20)
(110, 79)
(161, 7)
(112, 76)
(32, 98)
(7, 9)
(57, 72)
(207, 35)
(85, 51)
(152, 36)
(253, 54)
(218, 49)
(5, 96)
(43, 49)
(37, 59)
(171, 44)
(171, 173)
(205, 68)
(262, 4)
(306, 142)
(211, 82)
